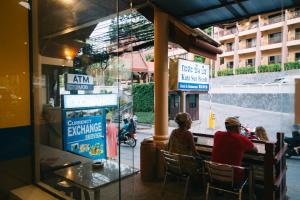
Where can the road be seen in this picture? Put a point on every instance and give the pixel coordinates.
(272, 121)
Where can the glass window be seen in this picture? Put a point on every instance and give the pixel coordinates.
(275, 38)
(254, 23)
(229, 46)
(229, 64)
(275, 59)
(251, 42)
(297, 57)
(250, 62)
(222, 60)
(297, 33)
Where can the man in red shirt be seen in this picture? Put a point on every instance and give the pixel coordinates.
(230, 146)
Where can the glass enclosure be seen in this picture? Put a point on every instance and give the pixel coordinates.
(83, 98)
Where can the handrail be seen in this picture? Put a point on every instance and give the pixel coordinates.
(280, 153)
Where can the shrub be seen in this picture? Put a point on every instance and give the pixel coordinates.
(291, 65)
(225, 72)
(200, 59)
(245, 70)
(269, 68)
(143, 97)
(145, 117)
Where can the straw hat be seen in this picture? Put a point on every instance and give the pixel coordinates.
(232, 121)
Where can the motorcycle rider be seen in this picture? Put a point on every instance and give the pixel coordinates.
(124, 131)
(293, 142)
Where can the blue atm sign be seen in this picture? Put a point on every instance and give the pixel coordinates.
(85, 135)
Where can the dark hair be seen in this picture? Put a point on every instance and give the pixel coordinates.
(125, 121)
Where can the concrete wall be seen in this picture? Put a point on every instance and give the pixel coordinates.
(271, 102)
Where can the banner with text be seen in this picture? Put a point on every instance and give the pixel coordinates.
(193, 75)
(84, 133)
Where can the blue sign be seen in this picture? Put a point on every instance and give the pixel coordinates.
(192, 76)
(85, 133)
(193, 86)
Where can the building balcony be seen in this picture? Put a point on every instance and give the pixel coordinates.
(248, 31)
(268, 46)
(247, 50)
(294, 14)
(227, 34)
(271, 25)
(294, 18)
(227, 53)
(294, 41)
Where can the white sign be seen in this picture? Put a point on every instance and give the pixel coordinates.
(192, 75)
(78, 82)
(90, 100)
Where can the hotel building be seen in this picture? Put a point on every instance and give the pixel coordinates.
(260, 40)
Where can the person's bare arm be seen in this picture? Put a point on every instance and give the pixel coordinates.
(254, 149)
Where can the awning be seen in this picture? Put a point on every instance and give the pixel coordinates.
(205, 13)
(138, 63)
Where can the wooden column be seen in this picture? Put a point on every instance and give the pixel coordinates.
(297, 103)
(161, 76)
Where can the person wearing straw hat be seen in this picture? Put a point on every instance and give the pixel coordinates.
(230, 146)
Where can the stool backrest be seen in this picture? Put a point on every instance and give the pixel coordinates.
(172, 162)
(220, 173)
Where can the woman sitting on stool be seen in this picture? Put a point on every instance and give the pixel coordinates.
(181, 140)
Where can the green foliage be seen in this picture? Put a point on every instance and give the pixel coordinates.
(143, 97)
(291, 65)
(225, 72)
(200, 59)
(245, 70)
(269, 68)
(209, 30)
(149, 57)
(145, 117)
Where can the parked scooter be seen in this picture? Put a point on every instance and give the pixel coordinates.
(127, 134)
(293, 143)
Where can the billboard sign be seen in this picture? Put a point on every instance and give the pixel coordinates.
(192, 76)
(84, 133)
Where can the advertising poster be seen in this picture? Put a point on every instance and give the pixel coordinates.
(84, 133)
(192, 76)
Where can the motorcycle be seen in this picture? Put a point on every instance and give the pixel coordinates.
(127, 138)
(293, 143)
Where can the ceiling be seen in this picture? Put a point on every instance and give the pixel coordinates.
(67, 23)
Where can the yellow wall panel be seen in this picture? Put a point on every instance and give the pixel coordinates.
(14, 65)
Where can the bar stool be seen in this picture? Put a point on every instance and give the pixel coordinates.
(221, 177)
